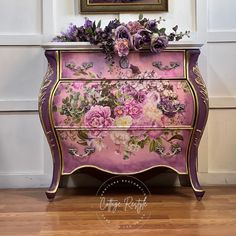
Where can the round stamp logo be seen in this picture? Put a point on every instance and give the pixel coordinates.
(123, 199)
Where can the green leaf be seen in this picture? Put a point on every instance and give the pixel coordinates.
(152, 146)
(94, 26)
(177, 136)
(162, 30)
(141, 143)
(140, 16)
(99, 24)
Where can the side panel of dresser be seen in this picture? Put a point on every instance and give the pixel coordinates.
(202, 109)
(44, 105)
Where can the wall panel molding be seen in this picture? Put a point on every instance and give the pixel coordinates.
(18, 105)
(222, 102)
(221, 36)
(21, 40)
(48, 19)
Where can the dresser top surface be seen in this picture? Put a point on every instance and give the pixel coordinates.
(86, 45)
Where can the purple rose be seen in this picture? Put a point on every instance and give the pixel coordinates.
(122, 32)
(158, 43)
(133, 109)
(88, 23)
(128, 89)
(140, 38)
(138, 41)
(151, 24)
(122, 47)
(140, 96)
(98, 117)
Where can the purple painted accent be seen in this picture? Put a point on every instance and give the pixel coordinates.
(200, 122)
(44, 110)
(116, 157)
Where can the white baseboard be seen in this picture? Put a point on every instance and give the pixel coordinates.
(83, 180)
(24, 181)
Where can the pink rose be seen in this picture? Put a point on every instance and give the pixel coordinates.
(98, 117)
(133, 109)
(122, 47)
(119, 111)
(134, 26)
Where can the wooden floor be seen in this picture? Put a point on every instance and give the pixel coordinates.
(75, 212)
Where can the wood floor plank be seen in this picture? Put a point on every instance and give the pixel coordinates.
(75, 212)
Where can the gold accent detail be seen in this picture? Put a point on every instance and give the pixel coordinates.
(200, 82)
(133, 173)
(45, 84)
(203, 90)
(197, 138)
(159, 2)
(48, 133)
(50, 113)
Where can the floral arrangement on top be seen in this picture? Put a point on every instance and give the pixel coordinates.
(120, 38)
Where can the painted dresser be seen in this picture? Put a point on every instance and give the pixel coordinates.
(123, 121)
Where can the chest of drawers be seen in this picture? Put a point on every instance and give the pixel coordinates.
(123, 121)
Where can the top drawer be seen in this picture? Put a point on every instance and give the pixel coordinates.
(92, 65)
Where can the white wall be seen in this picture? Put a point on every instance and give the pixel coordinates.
(25, 159)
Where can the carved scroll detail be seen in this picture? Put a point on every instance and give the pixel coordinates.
(45, 84)
(201, 84)
(159, 65)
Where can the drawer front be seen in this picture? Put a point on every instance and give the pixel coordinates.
(123, 104)
(92, 65)
(124, 151)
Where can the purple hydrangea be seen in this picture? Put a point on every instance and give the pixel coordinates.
(88, 23)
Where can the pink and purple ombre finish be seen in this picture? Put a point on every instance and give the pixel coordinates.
(151, 124)
(142, 60)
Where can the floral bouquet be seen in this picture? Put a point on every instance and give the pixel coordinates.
(120, 38)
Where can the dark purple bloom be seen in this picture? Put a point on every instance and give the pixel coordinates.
(88, 23)
(71, 33)
(138, 41)
(140, 38)
(112, 25)
(151, 24)
(158, 43)
(140, 96)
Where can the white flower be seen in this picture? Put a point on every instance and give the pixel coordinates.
(97, 143)
(124, 121)
(150, 111)
(132, 147)
(120, 137)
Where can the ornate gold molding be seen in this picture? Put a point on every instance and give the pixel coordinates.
(201, 84)
(45, 84)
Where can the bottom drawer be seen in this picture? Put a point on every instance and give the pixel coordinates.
(124, 151)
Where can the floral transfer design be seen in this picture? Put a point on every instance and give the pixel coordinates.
(99, 105)
(125, 143)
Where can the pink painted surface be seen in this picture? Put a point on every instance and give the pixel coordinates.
(99, 69)
(150, 103)
(109, 156)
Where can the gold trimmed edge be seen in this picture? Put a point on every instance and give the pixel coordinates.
(117, 173)
(194, 127)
